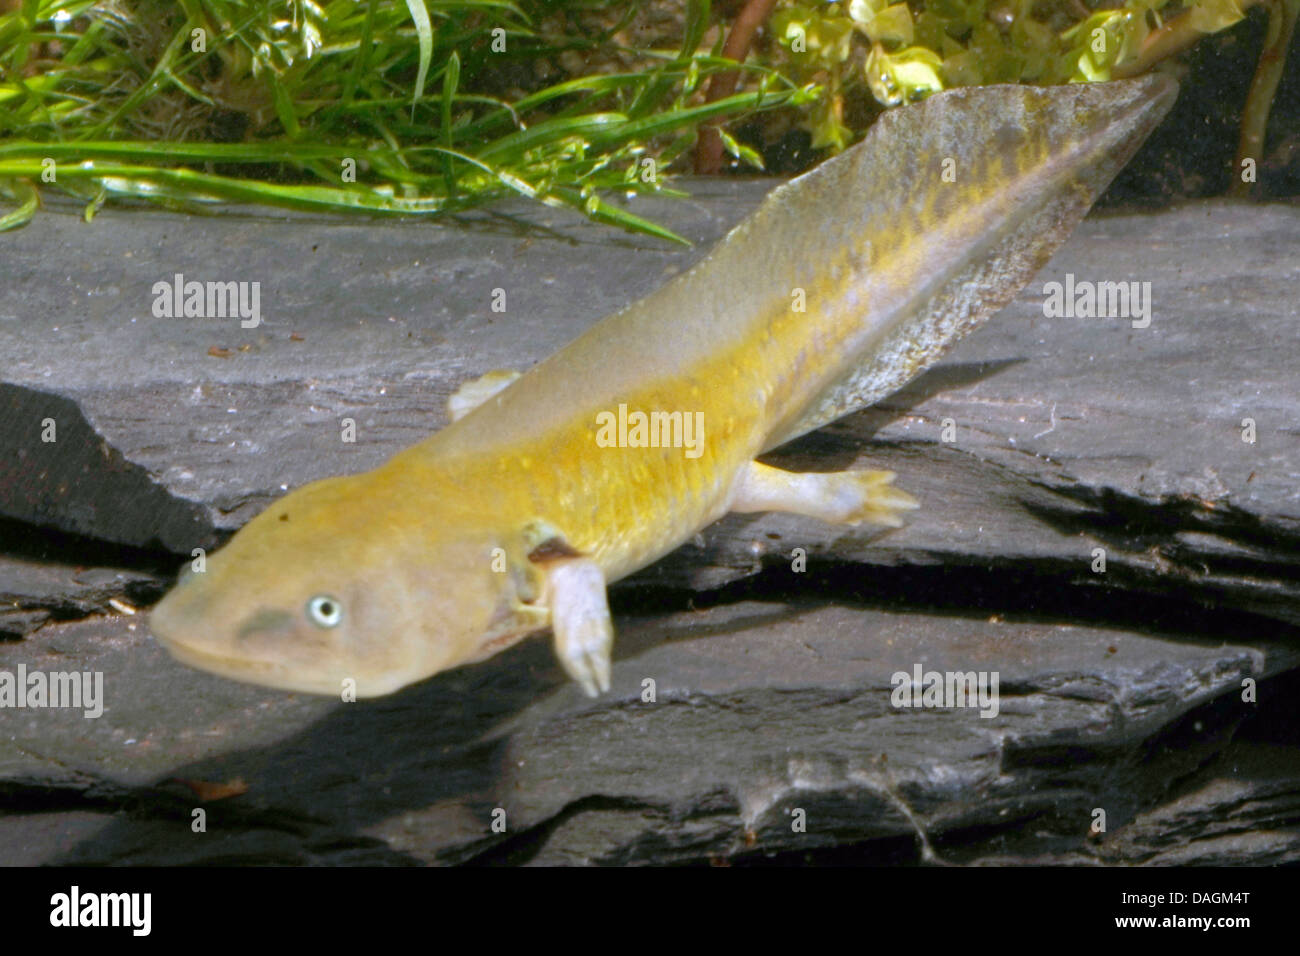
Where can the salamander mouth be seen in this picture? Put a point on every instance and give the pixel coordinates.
(248, 670)
(240, 668)
(277, 675)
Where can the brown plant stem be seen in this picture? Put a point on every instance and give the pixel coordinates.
(1178, 34)
(1173, 37)
(1282, 16)
(708, 144)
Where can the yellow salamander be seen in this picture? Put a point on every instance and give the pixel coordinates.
(844, 284)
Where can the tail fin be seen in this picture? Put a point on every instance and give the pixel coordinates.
(938, 256)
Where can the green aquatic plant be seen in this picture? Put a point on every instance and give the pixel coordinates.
(402, 107)
(896, 52)
(423, 107)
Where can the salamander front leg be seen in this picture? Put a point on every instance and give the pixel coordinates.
(584, 634)
(837, 497)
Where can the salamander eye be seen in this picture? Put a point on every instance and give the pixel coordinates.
(324, 611)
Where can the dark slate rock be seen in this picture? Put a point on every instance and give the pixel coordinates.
(1121, 690)
(35, 591)
(57, 471)
(760, 708)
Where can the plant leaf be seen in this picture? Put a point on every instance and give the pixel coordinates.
(424, 30)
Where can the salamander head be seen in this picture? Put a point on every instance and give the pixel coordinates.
(328, 584)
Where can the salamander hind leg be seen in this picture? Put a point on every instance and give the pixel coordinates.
(838, 497)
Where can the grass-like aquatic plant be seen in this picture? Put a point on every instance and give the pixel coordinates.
(422, 107)
(401, 107)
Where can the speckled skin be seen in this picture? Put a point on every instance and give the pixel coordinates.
(894, 262)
